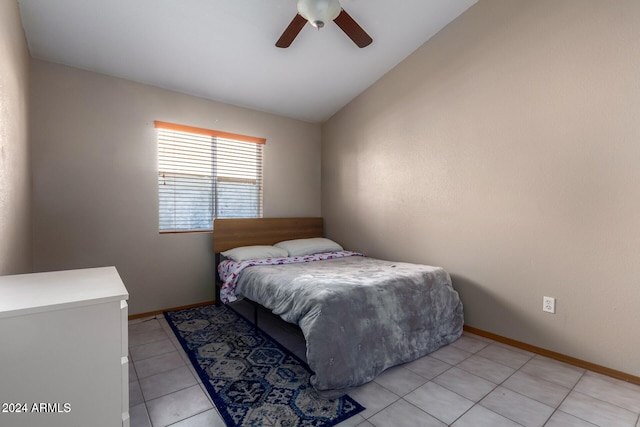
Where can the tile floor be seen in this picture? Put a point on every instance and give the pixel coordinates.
(473, 382)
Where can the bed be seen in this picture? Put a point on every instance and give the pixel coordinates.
(359, 315)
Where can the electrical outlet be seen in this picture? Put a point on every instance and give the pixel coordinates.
(549, 304)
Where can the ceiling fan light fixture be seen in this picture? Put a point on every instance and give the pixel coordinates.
(319, 12)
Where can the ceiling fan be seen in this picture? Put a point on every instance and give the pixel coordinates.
(317, 13)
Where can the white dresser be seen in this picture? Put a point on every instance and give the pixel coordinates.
(63, 349)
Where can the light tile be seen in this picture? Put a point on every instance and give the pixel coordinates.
(163, 321)
(477, 337)
(562, 419)
(403, 414)
(487, 369)
(553, 371)
(619, 393)
(353, 421)
(510, 358)
(400, 380)
(151, 349)
(516, 407)
(132, 372)
(450, 354)
(182, 353)
(155, 365)
(597, 412)
(465, 384)
(543, 391)
(516, 349)
(145, 337)
(470, 344)
(427, 367)
(523, 398)
(206, 392)
(373, 397)
(166, 382)
(144, 325)
(138, 416)
(141, 320)
(177, 406)
(209, 418)
(479, 416)
(174, 340)
(135, 393)
(439, 402)
(193, 371)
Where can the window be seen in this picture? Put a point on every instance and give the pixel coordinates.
(205, 174)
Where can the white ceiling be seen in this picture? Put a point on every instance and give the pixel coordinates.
(225, 49)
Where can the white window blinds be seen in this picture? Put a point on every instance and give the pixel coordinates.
(205, 174)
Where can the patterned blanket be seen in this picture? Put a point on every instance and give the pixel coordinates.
(230, 270)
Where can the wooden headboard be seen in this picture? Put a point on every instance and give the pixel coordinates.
(231, 233)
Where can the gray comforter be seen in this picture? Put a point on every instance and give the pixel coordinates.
(359, 315)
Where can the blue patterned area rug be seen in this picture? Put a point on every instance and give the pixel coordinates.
(252, 379)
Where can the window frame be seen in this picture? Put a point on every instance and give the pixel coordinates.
(213, 134)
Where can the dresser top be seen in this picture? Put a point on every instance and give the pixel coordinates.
(23, 294)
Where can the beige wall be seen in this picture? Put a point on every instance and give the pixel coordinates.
(506, 149)
(15, 186)
(95, 178)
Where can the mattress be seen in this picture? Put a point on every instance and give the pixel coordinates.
(359, 315)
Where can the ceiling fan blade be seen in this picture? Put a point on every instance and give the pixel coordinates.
(352, 29)
(291, 32)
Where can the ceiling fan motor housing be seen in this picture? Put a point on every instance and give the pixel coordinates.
(318, 12)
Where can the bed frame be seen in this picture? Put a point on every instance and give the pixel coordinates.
(229, 233)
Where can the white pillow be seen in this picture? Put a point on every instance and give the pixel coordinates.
(244, 253)
(315, 245)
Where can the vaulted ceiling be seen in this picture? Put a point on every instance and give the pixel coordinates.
(224, 50)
